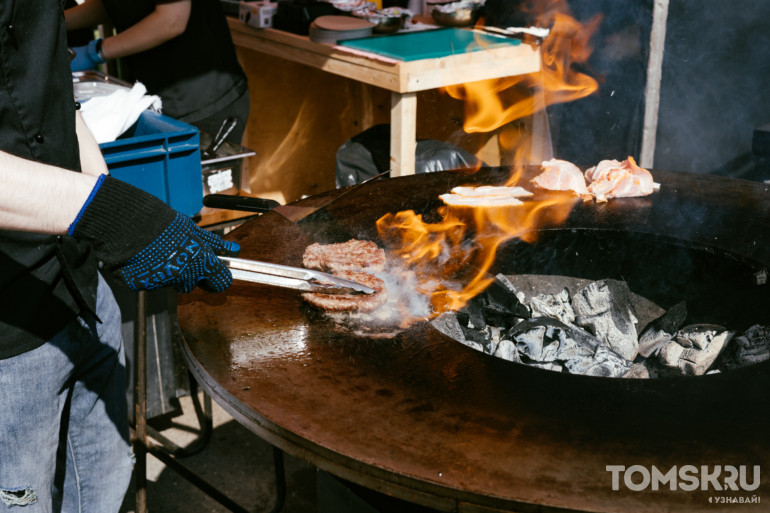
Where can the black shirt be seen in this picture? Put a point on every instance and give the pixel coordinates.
(45, 281)
(197, 73)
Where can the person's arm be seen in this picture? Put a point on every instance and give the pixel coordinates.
(142, 241)
(166, 22)
(40, 198)
(91, 160)
(89, 14)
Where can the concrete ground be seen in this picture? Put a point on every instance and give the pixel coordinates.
(235, 460)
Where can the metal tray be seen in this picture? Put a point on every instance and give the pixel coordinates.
(90, 84)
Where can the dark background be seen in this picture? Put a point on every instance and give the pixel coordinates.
(714, 90)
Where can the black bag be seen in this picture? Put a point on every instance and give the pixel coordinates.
(368, 154)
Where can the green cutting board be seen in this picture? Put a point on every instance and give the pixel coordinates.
(429, 44)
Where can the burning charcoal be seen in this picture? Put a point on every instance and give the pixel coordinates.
(544, 341)
(494, 339)
(695, 348)
(480, 338)
(504, 292)
(604, 308)
(662, 329)
(650, 368)
(638, 371)
(449, 325)
(605, 362)
(500, 305)
(507, 351)
(533, 342)
(751, 347)
(472, 315)
(551, 366)
(555, 306)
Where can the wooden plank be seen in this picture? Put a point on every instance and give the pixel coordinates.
(459, 69)
(320, 56)
(403, 133)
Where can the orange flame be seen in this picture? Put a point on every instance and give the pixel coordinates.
(452, 257)
(490, 104)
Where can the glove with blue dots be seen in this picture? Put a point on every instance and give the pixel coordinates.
(183, 256)
(147, 245)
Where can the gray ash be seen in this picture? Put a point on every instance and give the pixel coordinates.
(596, 328)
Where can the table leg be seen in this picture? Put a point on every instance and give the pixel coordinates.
(140, 402)
(403, 133)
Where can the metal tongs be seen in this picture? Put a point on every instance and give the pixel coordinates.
(297, 278)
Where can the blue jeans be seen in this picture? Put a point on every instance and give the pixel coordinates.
(64, 443)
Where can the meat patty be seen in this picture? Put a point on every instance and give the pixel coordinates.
(351, 302)
(353, 255)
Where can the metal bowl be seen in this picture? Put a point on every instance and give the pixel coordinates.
(460, 17)
(387, 24)
(386, 21)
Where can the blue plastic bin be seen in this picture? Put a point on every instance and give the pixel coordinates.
(160, 155)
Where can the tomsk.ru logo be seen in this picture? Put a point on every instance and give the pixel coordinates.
(687, 477)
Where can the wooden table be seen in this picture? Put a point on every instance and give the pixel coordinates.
(403, 79)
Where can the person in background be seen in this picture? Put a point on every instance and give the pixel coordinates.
(181, 50)
(64, 442)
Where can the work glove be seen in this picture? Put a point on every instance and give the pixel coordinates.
(146, 244)
(87, 56)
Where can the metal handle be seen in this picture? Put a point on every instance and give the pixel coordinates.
(243, 203)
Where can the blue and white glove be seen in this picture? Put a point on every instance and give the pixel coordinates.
(148, 245)
(87, 56)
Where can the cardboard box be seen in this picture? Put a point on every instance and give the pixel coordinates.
(257, 14)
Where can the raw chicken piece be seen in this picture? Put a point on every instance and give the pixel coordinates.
(613, 179)
(560, 175)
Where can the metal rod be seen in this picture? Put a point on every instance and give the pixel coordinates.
(652, 89)
(205, 421)
(280, 480)
(140, 402)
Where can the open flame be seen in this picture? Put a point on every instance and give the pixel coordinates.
(451, 258)
(490, 104)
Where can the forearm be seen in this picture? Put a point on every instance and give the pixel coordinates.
(91, 160)
(166, 22)
(89, 14)
(40, 198)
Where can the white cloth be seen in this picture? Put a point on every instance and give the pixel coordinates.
(107, 117)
